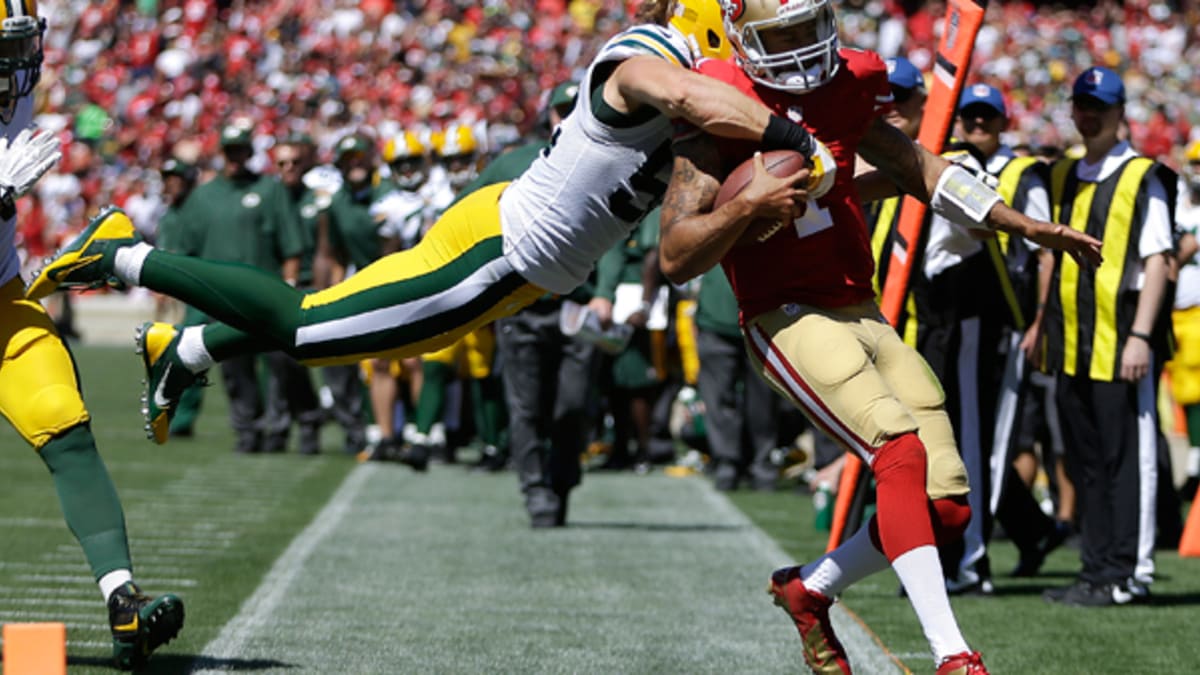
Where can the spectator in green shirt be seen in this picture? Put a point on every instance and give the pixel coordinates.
(240, 216)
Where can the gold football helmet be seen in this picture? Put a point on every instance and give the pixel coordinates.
(700, 22)
(407, 156)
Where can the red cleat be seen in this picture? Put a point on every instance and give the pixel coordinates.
(810, 612)
(965, 663)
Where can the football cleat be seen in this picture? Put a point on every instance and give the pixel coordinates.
(87, 261)
(166, 377)
(809, 611)
(964, 663)
(140, 624)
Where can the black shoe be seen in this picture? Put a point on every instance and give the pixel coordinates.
(385, 450)
(982, 588)
(415, 455)
(616, 463)
(1081, 594)
(490, 461)
(140, 623)
(726, 477)
(544, 507)
(1131, 592)
(1031, 561)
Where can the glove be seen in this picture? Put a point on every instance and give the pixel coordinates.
(824, 171)
(26, 159)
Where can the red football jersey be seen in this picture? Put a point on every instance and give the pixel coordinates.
(825, 259)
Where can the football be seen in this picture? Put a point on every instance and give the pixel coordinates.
(777, 163)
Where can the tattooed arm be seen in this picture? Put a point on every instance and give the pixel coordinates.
(916, 171)
(694, 236)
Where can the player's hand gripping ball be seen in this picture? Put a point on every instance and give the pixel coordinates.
(779, 163)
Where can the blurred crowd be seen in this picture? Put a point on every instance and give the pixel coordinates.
(1031, 51)
(130, 83)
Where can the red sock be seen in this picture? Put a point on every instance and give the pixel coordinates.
(950, 518)
(902, 507)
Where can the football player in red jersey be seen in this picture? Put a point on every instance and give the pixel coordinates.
(808, 309)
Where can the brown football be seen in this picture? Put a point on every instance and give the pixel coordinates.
(777, 163)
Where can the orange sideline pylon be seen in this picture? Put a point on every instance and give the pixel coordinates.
(847, 485)
(35, 648)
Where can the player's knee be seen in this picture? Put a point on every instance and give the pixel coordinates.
(52, 410)
(950, 517)
(901, 459)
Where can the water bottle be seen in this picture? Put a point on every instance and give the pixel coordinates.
(823, 504)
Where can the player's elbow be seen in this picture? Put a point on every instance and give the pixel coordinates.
(678, 269)
(669, 264)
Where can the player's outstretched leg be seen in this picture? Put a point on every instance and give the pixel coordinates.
(87, 261)
(141, 623)
(166, 377)
(809, 610)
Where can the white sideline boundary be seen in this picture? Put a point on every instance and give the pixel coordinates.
(864, 649)
(257, 610)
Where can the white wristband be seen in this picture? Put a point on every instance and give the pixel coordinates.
(963, 198)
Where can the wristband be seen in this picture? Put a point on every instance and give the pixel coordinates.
(962, 198)
(782, 134)
(8, 206)
(1143, 336)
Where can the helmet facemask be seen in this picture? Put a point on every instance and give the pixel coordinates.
(792, 47)
(20, 59)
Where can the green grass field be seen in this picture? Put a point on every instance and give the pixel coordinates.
(293, 564)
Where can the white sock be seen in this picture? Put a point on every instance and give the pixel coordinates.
(857, 558)
(128, 261)
(920, 571)
(114, 580)
(1193, 462)
(192, 351)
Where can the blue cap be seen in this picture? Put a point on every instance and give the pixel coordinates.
(1101, 84)
(983, 94)
(902, 73)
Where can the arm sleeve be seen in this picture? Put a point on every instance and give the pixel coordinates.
(608, 271)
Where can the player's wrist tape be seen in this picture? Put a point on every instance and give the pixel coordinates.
(783, 134)
(962, 198)
(1141, 336)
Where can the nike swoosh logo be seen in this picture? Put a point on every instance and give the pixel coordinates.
(160, 398)
(62, 272)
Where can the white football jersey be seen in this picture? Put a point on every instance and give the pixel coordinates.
(10, 264)
(594, 183)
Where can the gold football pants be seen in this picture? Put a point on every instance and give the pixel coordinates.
(39, 390)
(853, 376)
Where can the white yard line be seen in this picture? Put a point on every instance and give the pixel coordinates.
(257, 611)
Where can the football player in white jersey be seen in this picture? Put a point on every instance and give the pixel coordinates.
(39, 392)
(486, 257)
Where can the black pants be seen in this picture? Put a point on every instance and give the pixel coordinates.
(964, 354)
(741, 410)
(347, 411)
(547, 378)
(1110, 434)
(240, 377)
(290, 399)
